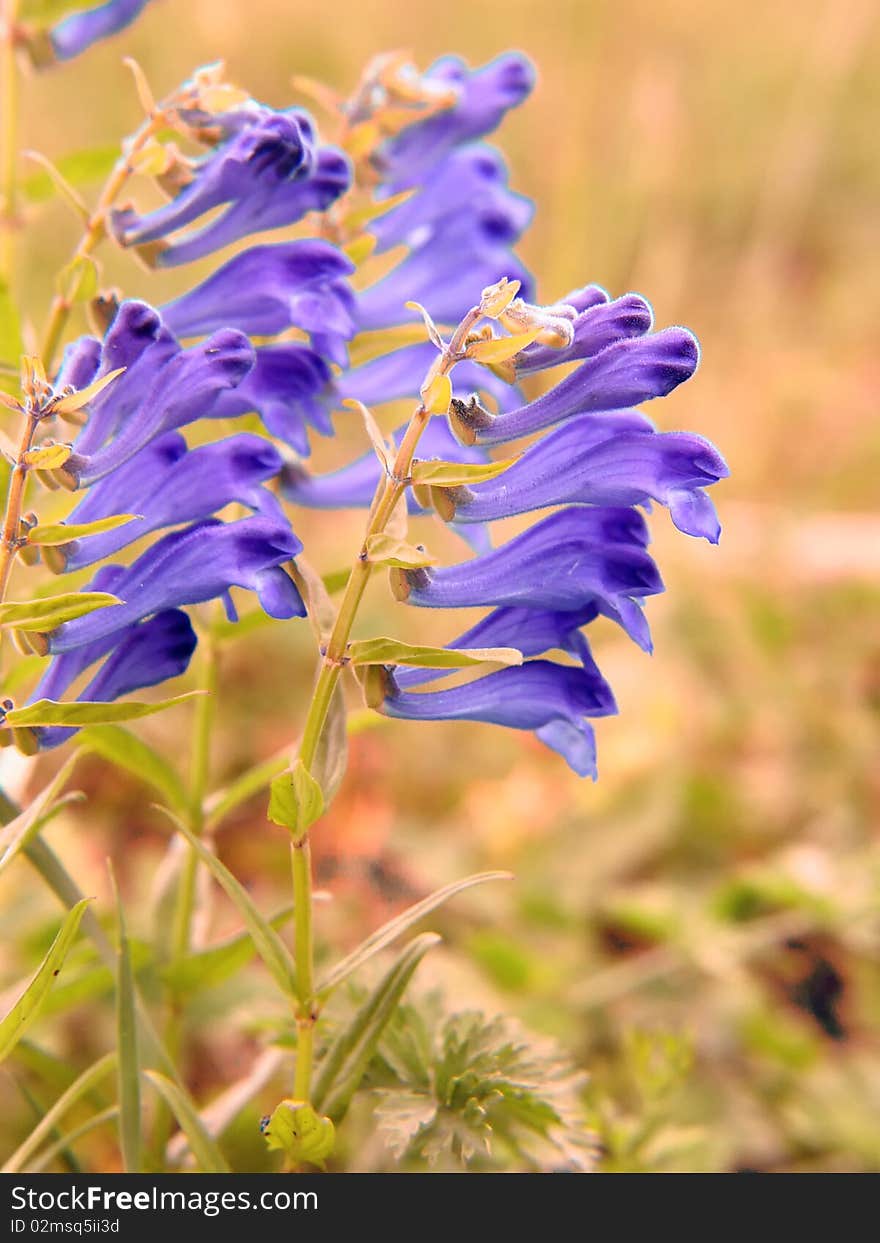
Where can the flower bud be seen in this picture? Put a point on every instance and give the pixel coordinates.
(297, 1130)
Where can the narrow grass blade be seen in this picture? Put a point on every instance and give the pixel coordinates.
(48, 1155)
(127, 1046)
(269, 945)
(389, 932)
(347, 1058)
(27, 1008)
(81, 1087)
(209, 1157)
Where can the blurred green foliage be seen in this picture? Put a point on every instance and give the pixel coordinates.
(699, 930)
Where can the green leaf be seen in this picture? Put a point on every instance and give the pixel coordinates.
(217, 963)
(69, 1138)
(11, 346)
(126, 750)
(84, 712)
(79, 168)
(384, 549)
(346, 1061)
(127, 1044)
(389, 932)
(52, 611)
(469, 1087)
(204, 1149)
(457, 474)
(219, 805)
(381, 651)
(82, 397)
(15, 835)
(82, 1086)
(62, 533)
(78, 280)
(336, 580)
(331, 754)
(28, 1006)
(269, 945)
(296, 800)
(47, 457)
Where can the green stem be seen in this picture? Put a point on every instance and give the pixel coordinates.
(301, 864)
(9, 113)
(388, 494)
(203, 723)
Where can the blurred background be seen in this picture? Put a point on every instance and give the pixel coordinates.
(698, 929)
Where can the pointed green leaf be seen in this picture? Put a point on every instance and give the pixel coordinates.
(390, 931)
(382, 651)
(331, 754)
(296, 800)
(457, 474)
(61, 533)
(251, 782)
(51, 611)
(270, 947)
(77, 282)
(209, 1157)
(126, 750)
(47, 457)
(15, 835)
(127, 1046)
(84, 712)
(27, 1008)
(384, 549)
(79, 168)
(82, 1086)
(346, 1061)
(217, 963)
(69, 1138)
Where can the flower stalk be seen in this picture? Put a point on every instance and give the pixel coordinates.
(9, 111)
(388, 493)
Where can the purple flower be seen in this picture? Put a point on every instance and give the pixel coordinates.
(165, 484)
(267, 174)
(142, 655)
(464, 253)
(147, 402)
(632, 370)
(606, 460)
(596, 326)
(553, 700)
(291, 388)
(268, 289)
(196, 564)
(472, 179)
(484, 95)
(401, 373)
(531, 631)
(352, 486)
(574, 558)
(80, 30)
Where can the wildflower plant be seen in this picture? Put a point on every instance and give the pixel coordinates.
(371, 264)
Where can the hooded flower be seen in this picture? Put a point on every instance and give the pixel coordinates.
(481, 99)
(631, 370)
(606, 460)
(166, 484)
(267, 173)
(268, 289)
(142, 655)
(199, 563)
(553, 700)
(574, 558)
(79, 30)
